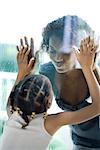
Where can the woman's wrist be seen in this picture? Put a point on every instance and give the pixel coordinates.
(88, 71)
(87, 68)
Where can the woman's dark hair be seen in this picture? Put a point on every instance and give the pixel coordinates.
(31, 95)
(58, 27)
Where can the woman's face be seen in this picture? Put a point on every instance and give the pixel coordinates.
(60, 56)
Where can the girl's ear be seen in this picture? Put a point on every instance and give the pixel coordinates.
(48, 103)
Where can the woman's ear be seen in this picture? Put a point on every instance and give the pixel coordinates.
(74, 58)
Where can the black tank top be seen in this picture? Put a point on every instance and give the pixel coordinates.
(87, 133)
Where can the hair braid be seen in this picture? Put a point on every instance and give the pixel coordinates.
(30, 95)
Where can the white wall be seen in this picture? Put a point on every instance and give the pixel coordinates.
(28, 17)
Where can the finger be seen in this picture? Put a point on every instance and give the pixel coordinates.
(94, 49)
(21, 43)
(18, 54)
(81, 46)
(91, 43)
(24, 50)
(26, 44)
(84, 45)
(87, 40)
(26, 41)
(91, 50)
(32, 62)
(32, 46)
(17, 47)
(21, 48)
(92, 46)
(27, 52)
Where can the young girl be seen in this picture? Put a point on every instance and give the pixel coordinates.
(29, 127)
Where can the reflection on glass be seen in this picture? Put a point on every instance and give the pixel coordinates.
(8, 70)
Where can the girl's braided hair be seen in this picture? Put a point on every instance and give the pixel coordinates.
(31, 95)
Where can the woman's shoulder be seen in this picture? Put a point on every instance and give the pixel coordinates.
(47, 67)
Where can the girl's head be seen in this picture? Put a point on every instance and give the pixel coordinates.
(59, 36)
(32, 95)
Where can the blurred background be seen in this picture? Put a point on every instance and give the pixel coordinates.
(28, 17)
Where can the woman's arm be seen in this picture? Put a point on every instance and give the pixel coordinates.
(79, 116)
(86, 59)
(87, 112)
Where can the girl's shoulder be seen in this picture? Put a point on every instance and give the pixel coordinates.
(15, 120)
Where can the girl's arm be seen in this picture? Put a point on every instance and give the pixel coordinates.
(25, 66)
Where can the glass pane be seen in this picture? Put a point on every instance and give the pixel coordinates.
(8, 69)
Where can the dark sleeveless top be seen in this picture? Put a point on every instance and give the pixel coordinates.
(85, 134)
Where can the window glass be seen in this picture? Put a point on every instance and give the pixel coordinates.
(25, 17)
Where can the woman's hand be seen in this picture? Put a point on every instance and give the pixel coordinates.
(87, 53)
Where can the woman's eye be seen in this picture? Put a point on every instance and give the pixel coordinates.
(53, 52)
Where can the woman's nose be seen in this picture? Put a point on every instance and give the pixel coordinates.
(58, 57)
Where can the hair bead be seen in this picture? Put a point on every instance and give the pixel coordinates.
(44, 115)
(33, 115)
(19, 111)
